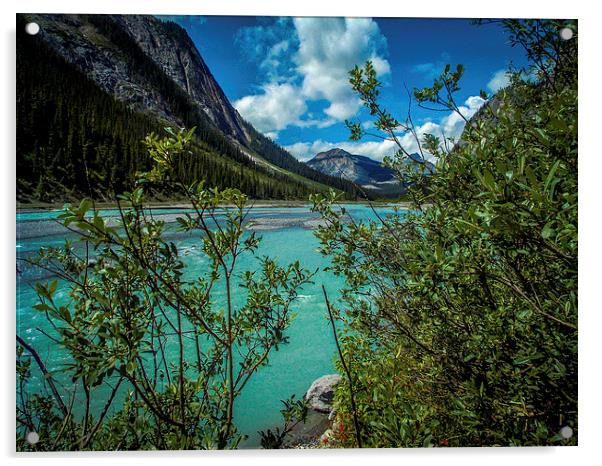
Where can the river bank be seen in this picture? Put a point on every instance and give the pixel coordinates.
(36, 223)
(264, 216)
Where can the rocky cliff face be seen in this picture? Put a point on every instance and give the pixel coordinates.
(133, 57)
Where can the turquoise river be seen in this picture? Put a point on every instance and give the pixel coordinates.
(287, 235)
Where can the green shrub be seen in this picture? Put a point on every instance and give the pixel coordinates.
(143, 338)
(462, 313)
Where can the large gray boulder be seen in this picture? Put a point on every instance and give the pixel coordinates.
(321, 393)
(319, 397)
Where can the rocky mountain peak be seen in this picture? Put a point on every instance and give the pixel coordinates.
(362, 170)
(357, 168)
(336, 152)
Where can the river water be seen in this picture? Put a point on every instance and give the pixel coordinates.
(287, 235)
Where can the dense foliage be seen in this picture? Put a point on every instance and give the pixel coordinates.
(462, 312)
(75, 140)
(145, 341)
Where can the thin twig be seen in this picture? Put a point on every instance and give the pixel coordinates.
(47, 375)
(356, 423)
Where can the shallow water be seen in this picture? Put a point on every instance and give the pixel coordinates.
(286, 238)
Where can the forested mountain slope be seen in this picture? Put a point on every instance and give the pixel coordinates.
(90, 87)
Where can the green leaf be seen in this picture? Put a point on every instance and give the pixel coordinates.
(547, 231)
(551, 175)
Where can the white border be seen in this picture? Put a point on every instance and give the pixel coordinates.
(589, 227)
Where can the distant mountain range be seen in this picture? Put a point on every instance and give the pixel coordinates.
(90, 87)
(362, 170)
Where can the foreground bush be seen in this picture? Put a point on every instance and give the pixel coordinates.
(144, 336)
(462, 313)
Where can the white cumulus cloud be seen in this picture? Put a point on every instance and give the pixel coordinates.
(319, 59)
(278, 106)
(328, 49)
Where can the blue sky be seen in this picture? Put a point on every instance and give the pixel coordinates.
(288, 76)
